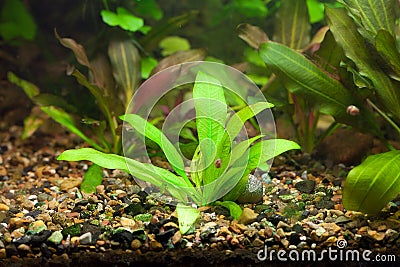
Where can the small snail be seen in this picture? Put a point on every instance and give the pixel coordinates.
(218, 163)
(352, 110)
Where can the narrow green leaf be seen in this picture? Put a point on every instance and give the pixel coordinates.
(153, 133)
(292, 26)
(92, 178)
(303, 78)
(67, 121)
(355, 48)
(125, 61)
(187, 216)
(234, 209)
(236, 122)
(30, 89)
(53, 100)
(372, 184)
(163, 179)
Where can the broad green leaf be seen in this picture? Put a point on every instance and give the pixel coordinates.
(252, 35)
(30, 89)
(211, 108)
(123, 18)
(125, 61)
(254, 8)
(153, 133)
(386, 46)
(187, 216)
(172, 44)
(16, 21)
(315, 10)
(163, 179)
(355, 48)
(292, 27)
(67, 121)
(301, 77)
(372, 16)
(372, 184)
(234, 209)
(92, 178)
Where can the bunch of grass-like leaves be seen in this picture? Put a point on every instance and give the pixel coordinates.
(219, 165)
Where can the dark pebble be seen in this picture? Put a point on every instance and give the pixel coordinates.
(41, 237)
(134, 209)
(261, 216)
(22, 240)
(142, 195)
(4, 178)
(139, 234)
(3, 149)
(163, 237)
(306, 186)
(294, 239)
(261, 208)
(325, 204)
(305, 214)
(297, 228)
(46, 252)
(219, 210)
(276, 218)
(123, 237)
(93, 229)
(33, 213)
(11, 250)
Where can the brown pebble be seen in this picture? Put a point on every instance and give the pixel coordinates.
(3, 253)
(234, 241)
(136, 244)
(155, 245)
(4, 207)
(176, 237)
(70, 183)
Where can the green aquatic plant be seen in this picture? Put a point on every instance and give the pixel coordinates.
(292, 28)
(220, 167)
(352, 75)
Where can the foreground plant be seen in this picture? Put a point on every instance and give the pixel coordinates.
(354, 71)
(220, 167)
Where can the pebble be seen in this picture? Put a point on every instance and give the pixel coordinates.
(136, 244)
(55, 238)
(3, 253)
(86, 238)
(248, 216)
(306, 186)
(70, 183)
(155, 245)
(126, 222)
(4, 207)
(258, 242)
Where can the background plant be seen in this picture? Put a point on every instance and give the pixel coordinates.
(292, 28)
(216, 167)
(353, 73)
